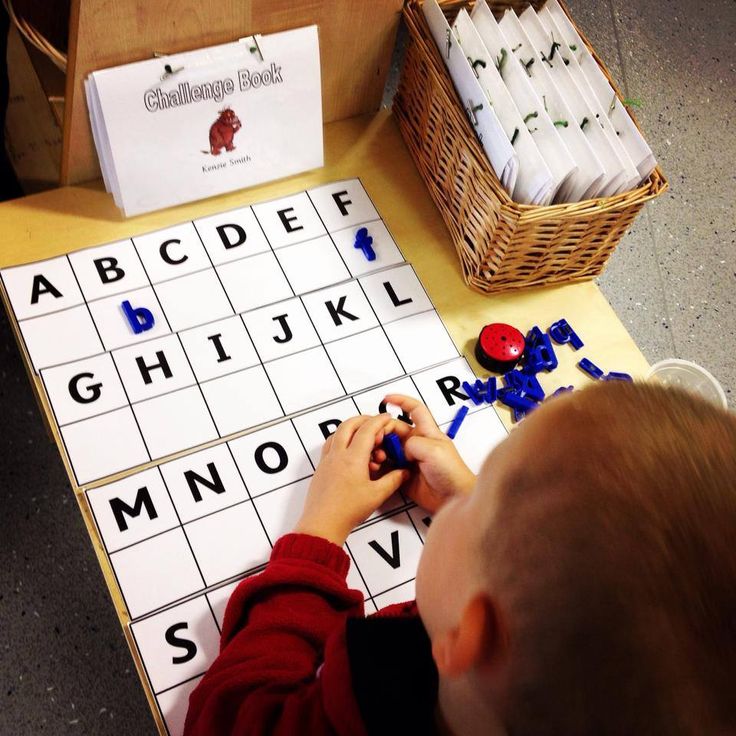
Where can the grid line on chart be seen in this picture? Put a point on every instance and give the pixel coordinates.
(199, 387)
(203, 382)
(260, 360)
(159, 533)
(383, 329)
(250, 496)
(189, 679)
(240, 577)
(236, 579)
(214, 321)
(273, 251)
(236, 435)
(329, 234)
(79, 286)
(394, 515)
(181, 525)
(150, 286)
(206, 519)
(411, 519)
(373, 204)
(250, 499)
(374, 596)
(212, 266)
(145, 657)
(254, 496)
(354, 563)
(322, 344)
(140, 261)
(209, 590)
(147, 671)
(265, 362)
(222, 319)
(199, 383)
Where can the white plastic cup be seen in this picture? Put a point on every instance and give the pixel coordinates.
(691, 377)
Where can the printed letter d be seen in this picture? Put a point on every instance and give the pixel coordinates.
(140, 318)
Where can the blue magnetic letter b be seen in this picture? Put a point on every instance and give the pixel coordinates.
(140, 318)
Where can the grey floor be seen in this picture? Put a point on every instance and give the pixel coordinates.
(64, 665)
(672, 279)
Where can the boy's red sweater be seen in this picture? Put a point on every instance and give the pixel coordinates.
(297, 656)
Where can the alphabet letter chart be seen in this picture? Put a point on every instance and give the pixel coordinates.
(226, 350)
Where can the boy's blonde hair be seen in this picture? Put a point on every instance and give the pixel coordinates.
(617, 547)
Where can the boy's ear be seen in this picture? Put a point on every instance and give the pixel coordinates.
(474, 641)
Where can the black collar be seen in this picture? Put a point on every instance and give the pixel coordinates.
(394, 676)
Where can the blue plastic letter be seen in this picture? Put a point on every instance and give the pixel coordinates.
(363, 241)
(614, 376)
(139, 318)
(394, 451)
(590, 368)
(562, 333)
(491, 390)
(457, 421)
(474, 392)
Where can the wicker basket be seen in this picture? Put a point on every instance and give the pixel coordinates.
(502, 245)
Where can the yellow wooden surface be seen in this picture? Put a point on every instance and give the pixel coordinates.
(57, 222)
(356, 38)
(370, 147)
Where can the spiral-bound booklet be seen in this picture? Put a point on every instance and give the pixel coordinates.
(179, 128)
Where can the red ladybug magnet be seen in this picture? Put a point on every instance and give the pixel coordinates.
(499, 347)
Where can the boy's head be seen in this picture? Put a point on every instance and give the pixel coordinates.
(588, 585)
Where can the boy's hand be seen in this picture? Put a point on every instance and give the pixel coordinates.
(441, 472)
(342, 493)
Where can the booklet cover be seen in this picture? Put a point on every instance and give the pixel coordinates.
(192, 125)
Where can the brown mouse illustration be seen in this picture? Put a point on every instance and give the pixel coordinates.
(223, 131)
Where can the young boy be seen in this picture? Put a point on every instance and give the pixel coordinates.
(584, 583)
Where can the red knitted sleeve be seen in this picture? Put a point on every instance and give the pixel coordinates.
(266, 679)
